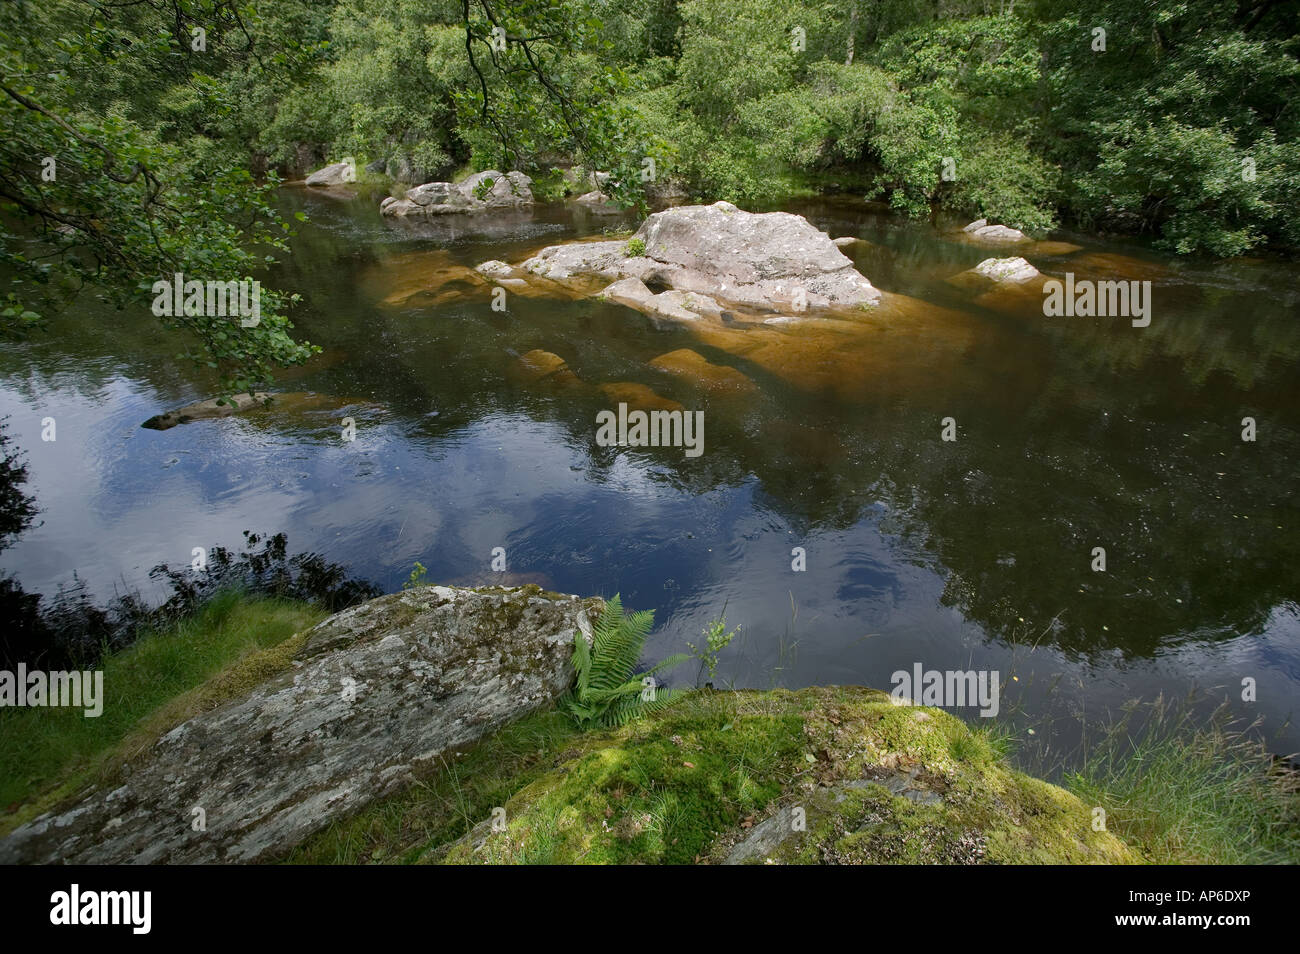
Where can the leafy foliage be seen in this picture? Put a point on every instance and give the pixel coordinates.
(716, 639)
(606, 692)
(111, 175)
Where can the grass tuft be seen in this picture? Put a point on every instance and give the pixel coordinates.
(1187, 793)
(162, 679)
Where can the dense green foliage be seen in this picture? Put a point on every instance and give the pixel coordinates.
(167, 120)
(120, 168)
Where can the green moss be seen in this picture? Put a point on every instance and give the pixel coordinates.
(689, 783)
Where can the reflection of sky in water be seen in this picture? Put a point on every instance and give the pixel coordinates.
(116, 500)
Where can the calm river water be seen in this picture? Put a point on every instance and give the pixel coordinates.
(1073, 433)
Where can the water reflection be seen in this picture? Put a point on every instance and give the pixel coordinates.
(972, 554)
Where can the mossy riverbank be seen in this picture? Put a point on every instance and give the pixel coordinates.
(813, 776)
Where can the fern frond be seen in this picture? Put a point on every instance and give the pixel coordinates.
(581, 662)
(606, 692)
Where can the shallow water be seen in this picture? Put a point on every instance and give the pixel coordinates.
(975, 554)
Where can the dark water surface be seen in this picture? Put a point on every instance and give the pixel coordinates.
(1073, 433)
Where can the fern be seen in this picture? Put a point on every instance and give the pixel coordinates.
(607, 692)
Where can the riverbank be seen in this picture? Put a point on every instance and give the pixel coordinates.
(818, 775)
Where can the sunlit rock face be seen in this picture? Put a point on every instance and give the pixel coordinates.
(372, 694)
(1006, 270)
(696, 260)
(335, 174)
(482, 192)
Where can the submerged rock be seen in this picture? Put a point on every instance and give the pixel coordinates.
(548, 368)
(539, 365)
(280, 402)
(205, 410)
(481, 192)
(638, 397)
(695, 367)
(370, 696)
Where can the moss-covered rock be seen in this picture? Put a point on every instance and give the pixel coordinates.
(824, 775)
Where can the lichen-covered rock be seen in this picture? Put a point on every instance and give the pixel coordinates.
(582, 259)
(374, 694)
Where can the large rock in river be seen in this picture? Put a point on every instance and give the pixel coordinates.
(764, 262)
(336, 173)
(373, 694)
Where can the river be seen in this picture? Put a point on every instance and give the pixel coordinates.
(1072, 434)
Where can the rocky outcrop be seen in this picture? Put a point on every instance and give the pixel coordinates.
(481, 192)
(759, 260)
(707, 259)
(374, 694)
(335, 174)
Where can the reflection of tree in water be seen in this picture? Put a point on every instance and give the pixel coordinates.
(71, 631)
(17, 509)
